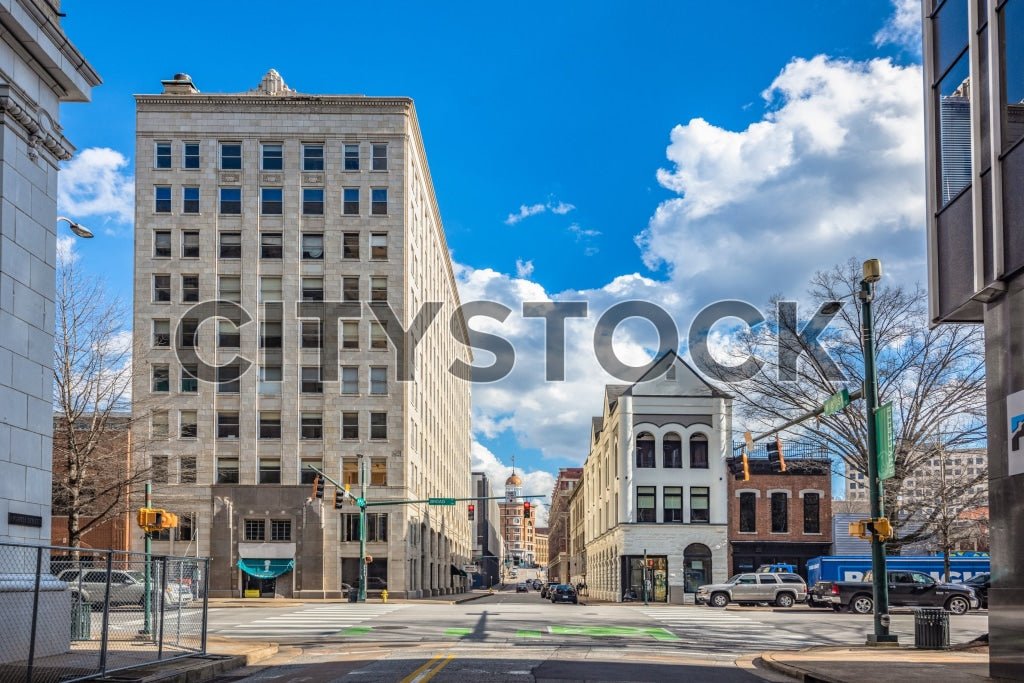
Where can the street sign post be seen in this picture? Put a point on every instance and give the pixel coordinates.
(836, 402)
(883, 435)
(441, 501)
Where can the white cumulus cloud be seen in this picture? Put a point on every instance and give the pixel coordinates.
(535, 482)
(98, 183)
(903, 28)
(525, 211)
(524, 268)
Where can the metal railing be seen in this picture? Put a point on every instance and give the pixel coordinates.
(70, 614)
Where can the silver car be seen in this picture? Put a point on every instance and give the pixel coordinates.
(126, 587)
(782, 589)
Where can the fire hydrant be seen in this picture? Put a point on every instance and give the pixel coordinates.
(384, 595)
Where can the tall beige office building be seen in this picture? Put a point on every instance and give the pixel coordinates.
(312, 219)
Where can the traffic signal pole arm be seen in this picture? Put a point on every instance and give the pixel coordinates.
(859, 393)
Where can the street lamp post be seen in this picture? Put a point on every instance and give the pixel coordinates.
(362, 528)
(76, 228)
(872, 272)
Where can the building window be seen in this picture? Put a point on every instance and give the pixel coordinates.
(231, 156)
(187, 475)
(312, 426)
(230, 288)
(378, 288)
(312, 157)
(812, 507)
(159, 425)
(312, 246)
(312, 201)
(700, 512)
(270, 380)
(186, 525)
(159, 470)
(190, 200)
(780, 513)
(162, 244)
(378, 201)
(378, 425)
(162, 199)
(376, 527)
(378, 472)
(378, 335)
(189, 288)
(645, 450)
(351, 157)
(350, 245)
(699, 452)
(280, 530)
(273, 159)
(161, 288)
(161, 333)
(231, 200)
(270, 471)
(255, 530)
(190, 244)
(163, 155)
(350, 425)
(271, 245)
(189, 378)
(380, 157)
(227, 470)
(672, 447)
(188, 424)
(189, 329)
(350, 471)
(350, 205)
(271, 201)
(270, 289)
(312, 289)
(673, 504)
(161, 378)
(228, 381)
(306, 475)
(748, 512)
(310, 380)
(190, 155)
(350, 380)
(270, 335)
(230, 245)
(309, 334)
(645, 504)
(379, 381)
(349, 334)
(227, 425)
(350, 289)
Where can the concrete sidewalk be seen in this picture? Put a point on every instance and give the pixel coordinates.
(855, 664)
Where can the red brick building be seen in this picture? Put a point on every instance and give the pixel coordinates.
(783, 517)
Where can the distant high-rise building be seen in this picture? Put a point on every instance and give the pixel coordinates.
(312, 220)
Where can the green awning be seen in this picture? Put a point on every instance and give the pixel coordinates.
(265, 569)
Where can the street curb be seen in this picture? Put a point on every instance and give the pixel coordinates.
(768, 659)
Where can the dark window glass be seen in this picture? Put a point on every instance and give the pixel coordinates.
(699, 451)
(812, 505)
(270, 471)
(748, 512)
(189, 288)
(313, 246)
(231, 156)
(189, 327)
(189, 378)
(162, 243)
(190, 245)
(379, 201)
(380, 157)
(312, 157)
(312, 289)
(188, 471)
(227, 471)
(272, 158)
(255, 529)
(378, 246)
(161, 333)
(190, 200)
(280, 529)
(271, 201)
(161, 378)
(231, 200)
(189, 424)
(350, 289)
(673, 451)
(163, 199)
(350, 425)
(645, 450)
(191, 155)
(351, 203)
(378, 425)
(780, 513)
(309, 331)
(645, 504)
(312, 427)
(700, 512)
(312, 201)
(161, 288)
(270, 335)
(351, 157)
(270, 425)
(228, 380)
(163, 155)
(1013, 72)
(310, 380)
(231, 245)
(673, 504)
(271, 245)
(954, 131)
(227, 425)
(350, 245)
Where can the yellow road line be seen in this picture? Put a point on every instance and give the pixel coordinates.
(425, 672)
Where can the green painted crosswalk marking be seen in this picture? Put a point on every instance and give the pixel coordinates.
(599, 631)
(356, 630)
(528, 634)
(458, 631)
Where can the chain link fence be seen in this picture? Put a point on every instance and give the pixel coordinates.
(68, 614)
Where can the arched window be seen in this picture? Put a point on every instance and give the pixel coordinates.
(672, 445)
(699, 451)
(645, 450)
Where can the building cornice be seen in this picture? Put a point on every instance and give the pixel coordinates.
(37, 127)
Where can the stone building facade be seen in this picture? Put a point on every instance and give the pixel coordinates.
(558, 551)
(655, 496)
(313, 220)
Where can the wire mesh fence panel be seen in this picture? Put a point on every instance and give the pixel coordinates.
(70, 613)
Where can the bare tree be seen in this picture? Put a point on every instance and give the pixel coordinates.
(935, 379)
(92, 367)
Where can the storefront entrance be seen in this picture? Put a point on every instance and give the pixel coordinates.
(645, 581)
(259, 576)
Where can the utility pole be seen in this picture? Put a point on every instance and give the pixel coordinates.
(362, 528)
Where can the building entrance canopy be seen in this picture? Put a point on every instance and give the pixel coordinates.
(265, 569)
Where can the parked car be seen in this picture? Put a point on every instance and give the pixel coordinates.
(126, 587)
(980, 584)
(781, 589)
(906, 589)
(522, 588)
(563, 593)
(546, 588)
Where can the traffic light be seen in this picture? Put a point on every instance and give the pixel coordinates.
(472, 512)
(746, 467)
(775, 457)
(318, 486)
(526, 509)
(739, 467)
(880, 527)
(339, 499)
(858, 529)
(152, 519)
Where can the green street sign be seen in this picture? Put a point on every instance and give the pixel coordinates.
(884, 440)
(441, 501)
(836, 402)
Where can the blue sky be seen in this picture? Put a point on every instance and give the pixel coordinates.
(675, 152)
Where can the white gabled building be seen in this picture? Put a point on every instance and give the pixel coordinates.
(656, 487)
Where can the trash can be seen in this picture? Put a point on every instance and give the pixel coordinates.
(353, 595)
(81, 619)
(931, 628)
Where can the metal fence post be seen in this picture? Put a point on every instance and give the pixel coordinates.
(35, 614)
(206, 601)
(105, 633)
